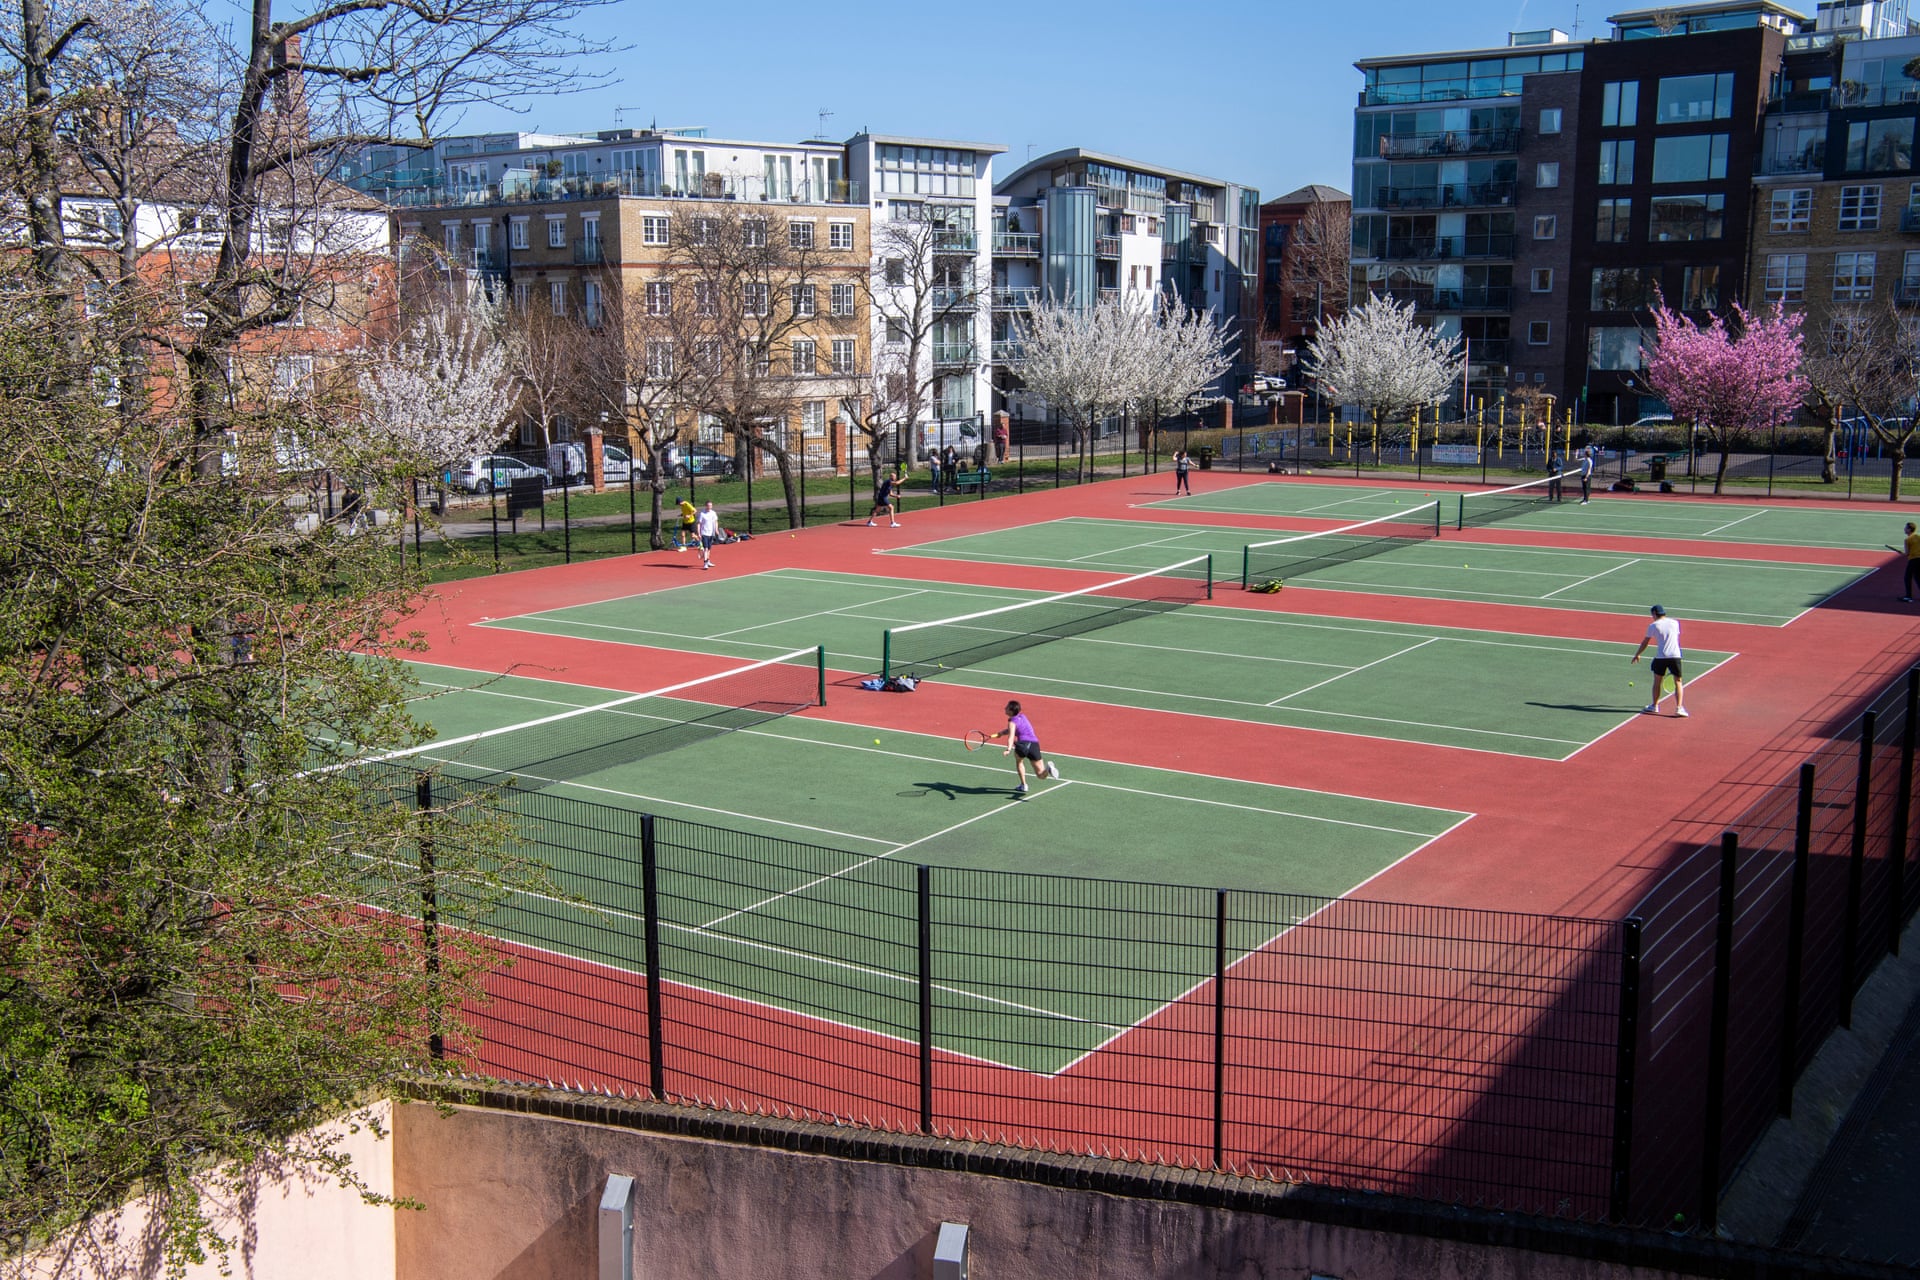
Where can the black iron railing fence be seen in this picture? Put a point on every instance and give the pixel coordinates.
(1604, 1069)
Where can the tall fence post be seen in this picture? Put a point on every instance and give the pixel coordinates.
(1856, 872)
(650, 910)
(1713, 1129)
(1625, 1067)
(923, 888)
(1796, 941)
(1902, 818)
(430, 913)
(1219, 1028)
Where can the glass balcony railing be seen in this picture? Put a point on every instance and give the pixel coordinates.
(1473, 297)
(1450, 195)
(1425, 248)
(949, 299)
(588, 252)
(950, 240)
(1106, 246)
(953, 353)
(1007, 350)
(1460, 142)
(1017, 244)
(1018, 298)
(521, 186)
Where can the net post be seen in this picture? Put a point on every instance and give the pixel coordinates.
(1460, 521)
(820, 668)
(886, 654)
(650, 911)
(1246, 563)
(1436, 517)
(1209, 575)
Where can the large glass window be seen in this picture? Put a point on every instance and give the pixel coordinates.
(1860, 208)
(1853, 277)
(1616, 162)
(1873, 145)
(1699, 158)
(1786, 279)
(1698, 217)
(1621, 289)
(1610, 347)
(1792, 209)
(1620, 103)
(1689, 98)
(1610, 221)
(1701, 291)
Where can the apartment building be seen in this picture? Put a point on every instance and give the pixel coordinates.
(1299, 235)
(1536, 197)
(1082, 225)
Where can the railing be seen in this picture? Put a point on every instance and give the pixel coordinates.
(1443, 91)
(587, 252)
(1007, 350)
(1807, 100)
(1446, 196)
(1487, 351)
(950, 299)
(1017, 244)
(1106, 246)
(951, 241)
(1015, 299)
(524, 187)
(1474, 297)
(1457, 143)
(1109, 294)
(1427, 247)
(953, 353)
(1808, 159)
(491, 261)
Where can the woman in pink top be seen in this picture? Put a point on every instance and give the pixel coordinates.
(1024, 745)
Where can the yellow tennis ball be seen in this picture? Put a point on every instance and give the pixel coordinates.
(1629, 684)
(876, 742)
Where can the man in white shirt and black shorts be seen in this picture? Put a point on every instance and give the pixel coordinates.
(1664, 635)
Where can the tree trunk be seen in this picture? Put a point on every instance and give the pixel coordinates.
(1720, 472)
(656, 490)
(783, 459)
(1829, 464)
(1896, 454)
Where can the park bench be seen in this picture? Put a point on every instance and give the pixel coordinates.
(972, 479)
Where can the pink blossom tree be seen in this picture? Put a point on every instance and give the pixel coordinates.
(1732, 380)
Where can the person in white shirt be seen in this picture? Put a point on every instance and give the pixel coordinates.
(707, 529)
(1664, 634)
(1586, 475)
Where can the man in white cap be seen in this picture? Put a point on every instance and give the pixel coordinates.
(1664, 634)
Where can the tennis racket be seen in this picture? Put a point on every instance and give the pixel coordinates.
(977, 738)
(1889, 546)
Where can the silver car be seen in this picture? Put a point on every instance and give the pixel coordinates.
(497, 471)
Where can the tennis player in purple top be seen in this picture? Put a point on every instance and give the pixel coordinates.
(1024, 745)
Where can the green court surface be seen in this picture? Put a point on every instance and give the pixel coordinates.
(1609, 515)
(1512, 694)
(1761, 592)
(907, 799)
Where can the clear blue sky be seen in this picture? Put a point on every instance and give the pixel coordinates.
(1253, 91)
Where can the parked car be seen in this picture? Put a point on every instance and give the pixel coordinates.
(496, 471)
(698, 460)
(616, 464)
(568, 462)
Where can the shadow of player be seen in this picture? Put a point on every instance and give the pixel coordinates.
(1611, 709)
(953, 790)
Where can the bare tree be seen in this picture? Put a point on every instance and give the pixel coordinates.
(1317, 257)
(1867, 364)
(924, 294)
(548, 355)
(641, 380)
(750, 312)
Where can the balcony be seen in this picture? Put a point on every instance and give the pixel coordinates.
(1450, 195)
(1811, 158)
(950, 299)
(952, 240)
(1805, 101)
(487, 261)
(1007, 350)
(1910, 219)
(1906, 293)
(1015, 299)
(953, 353)
(1106, 246)
(1109, 294)
(1473, 297)
(1440, 248)
(522, 186)
(1463, 142)
(1483, 351)
(588, 252)
(1017, 244)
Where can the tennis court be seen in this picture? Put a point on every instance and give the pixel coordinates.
(904, 799)
(1412, 562)
(1624, 516)
(1541, 697)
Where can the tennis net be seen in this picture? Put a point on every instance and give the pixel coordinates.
(1284, 558)
(584, 740)
(1495, 505)
(948, 643)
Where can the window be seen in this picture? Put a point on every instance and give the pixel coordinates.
(1613, 348)
(522, 295)
(813, 418)
(1700, 217)
(896, 333)
(1545, 226)
(1792, 209)
(802, 299)
(753, 232)
(841, 299)
(896, 269)
(659, 297)
(805, 363)
(703, 231)
(1620, 289)
(843, 355)
(1910, 269)
(1701, 291)
(1786, 279)
(292, 375)
(451, 232)
(557, 233)
(1543, 279)
(757, 357)
(709, 428)
(1539, 332)
(1860, 208)
(1880, 144)
(1684, 99)
(703, 298)
(1610, 221)
(557, 297)
(517, 233)
(654, 229)
(1550, 120)
(659, 358)
(800, 234)
(839, 235)
(1702, 157)
(1620, 104)
(756, 298)
(1616, 162)
(1547, 174)
(1853, 277)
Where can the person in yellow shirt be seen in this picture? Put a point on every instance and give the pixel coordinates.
(1913, 564)
(689, 516)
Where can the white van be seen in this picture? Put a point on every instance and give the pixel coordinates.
(567, 463)
(616, 464)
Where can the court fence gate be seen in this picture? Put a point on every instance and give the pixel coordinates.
(1598, 1069)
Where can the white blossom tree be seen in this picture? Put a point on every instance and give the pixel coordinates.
(1085, 363)
(1186, 353)
(1381, 359)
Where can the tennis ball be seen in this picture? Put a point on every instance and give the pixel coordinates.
(876, 742)
(1629, 684)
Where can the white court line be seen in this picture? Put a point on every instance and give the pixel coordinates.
(1742, 520)
(794, 619)
(1354, 671)
(1624, 564)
